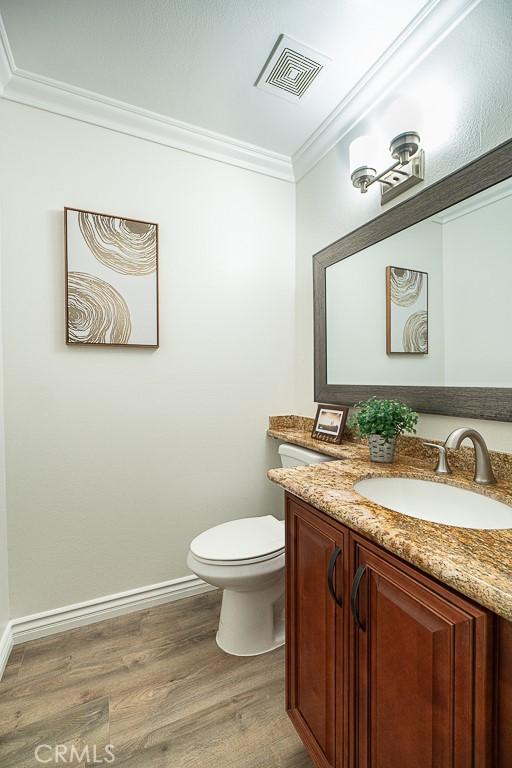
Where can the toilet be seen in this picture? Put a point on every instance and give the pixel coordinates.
(245, 558)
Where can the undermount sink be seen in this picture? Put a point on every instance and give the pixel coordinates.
(436, 502)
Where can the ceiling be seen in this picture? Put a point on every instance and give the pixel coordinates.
(197, 60)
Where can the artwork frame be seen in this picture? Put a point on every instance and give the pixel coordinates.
(330, 433)
(145, 229)
(407, 311)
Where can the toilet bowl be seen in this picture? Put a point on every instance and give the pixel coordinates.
(246, 559)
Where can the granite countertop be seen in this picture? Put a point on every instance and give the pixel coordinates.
(476, 563)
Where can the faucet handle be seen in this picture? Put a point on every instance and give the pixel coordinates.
(442, 468)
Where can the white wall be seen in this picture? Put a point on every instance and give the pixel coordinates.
(117, 458)
(478, 276)
(4, 583)
(464, 88)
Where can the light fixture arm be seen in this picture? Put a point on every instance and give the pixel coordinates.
(380, 176)
(405, 150)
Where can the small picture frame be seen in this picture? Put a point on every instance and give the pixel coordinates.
(329, 423)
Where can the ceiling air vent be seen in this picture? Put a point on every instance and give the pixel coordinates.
(291, 69)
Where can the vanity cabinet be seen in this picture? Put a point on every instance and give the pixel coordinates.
(386, 668)
(316, 560)
(421, 669)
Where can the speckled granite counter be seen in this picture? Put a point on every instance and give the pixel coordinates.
(476, 563)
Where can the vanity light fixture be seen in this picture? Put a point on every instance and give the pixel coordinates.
(407, 170)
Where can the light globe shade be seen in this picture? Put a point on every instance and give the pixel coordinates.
(401, 115)
(362, 153)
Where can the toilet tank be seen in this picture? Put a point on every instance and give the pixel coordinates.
(294, 456)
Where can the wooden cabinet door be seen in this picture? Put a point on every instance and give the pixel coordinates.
(316, 554)
(503, 662)
(422, 670)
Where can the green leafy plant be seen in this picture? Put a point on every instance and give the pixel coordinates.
(387, 418)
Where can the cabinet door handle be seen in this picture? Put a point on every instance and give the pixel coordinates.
(354, 595)
(330, 575)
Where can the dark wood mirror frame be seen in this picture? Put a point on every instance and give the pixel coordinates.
(474, 402)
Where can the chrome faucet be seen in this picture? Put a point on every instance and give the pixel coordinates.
(483, 468)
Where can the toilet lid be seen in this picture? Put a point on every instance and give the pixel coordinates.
(245, 539)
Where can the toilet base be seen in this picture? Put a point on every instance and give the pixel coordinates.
(277, 644)
(252, 622)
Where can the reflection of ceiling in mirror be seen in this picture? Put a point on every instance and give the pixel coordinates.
(482, 199)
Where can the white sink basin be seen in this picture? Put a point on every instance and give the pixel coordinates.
(436, 502)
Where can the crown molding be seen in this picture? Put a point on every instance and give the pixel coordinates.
(87, 107)
(6, 58)
(50, 95)
(428, 28)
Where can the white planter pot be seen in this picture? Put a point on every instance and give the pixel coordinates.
(380, 450)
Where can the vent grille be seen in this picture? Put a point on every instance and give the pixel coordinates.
(291, 69)
(294, 72)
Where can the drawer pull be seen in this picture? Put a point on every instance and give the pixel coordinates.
(330, 576)
(354, 595)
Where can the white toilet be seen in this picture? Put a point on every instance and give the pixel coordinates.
(245, 558)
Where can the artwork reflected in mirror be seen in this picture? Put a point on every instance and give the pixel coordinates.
(445, 318)
(406, 311)
(111, 280)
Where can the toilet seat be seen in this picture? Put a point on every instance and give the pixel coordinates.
(234, 563)
(240, 542)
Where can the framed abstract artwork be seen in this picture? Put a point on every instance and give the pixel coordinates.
(406, 311)
(111, 280)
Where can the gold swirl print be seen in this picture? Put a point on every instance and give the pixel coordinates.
(97, 313)
(128, 247)
(415, 336)
(406, 285)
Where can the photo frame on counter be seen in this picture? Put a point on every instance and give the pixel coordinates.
(329, 423)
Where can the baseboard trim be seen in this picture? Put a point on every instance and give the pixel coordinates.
(80, 614)
(6, 644)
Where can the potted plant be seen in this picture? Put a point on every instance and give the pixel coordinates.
(381, 421)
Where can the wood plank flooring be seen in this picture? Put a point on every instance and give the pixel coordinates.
(156, 687)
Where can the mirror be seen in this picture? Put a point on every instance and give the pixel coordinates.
(430, 305)
(417, 304)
